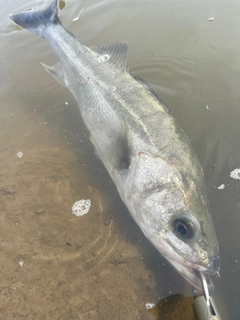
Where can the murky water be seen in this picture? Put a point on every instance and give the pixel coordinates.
(55, 265)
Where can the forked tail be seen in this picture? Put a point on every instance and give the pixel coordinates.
(37, 21)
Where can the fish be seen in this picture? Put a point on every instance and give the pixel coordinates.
(148, 156)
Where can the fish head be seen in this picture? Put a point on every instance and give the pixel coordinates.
(188, 240)
(172, 210)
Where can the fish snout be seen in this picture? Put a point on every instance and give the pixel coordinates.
(214, 266)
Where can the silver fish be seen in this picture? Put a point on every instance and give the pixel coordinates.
(148, 156)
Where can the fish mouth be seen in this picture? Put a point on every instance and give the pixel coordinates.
(192, 271)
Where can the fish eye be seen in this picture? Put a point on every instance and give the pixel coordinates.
(185, 228)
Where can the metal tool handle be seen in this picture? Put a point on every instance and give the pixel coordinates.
(203, 311)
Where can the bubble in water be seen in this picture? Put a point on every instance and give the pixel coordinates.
(21, 263)
(235, 174)
(149, 305)
(81, 207)
(75, 19)
(19, 155)
(104, 58)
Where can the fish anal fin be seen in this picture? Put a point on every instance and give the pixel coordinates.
(56, 71)
(116, 53)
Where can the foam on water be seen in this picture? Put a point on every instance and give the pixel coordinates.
(235, 174)
(81, 207)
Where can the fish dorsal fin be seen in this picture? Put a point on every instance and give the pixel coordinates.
(152, 92)
(116, 53)
(57, 72)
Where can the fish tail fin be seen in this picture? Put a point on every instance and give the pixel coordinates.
(37, 21)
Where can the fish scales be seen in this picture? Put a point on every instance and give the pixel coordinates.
(147, 154)
(96, 90)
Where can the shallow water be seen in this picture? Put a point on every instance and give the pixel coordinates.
(100, 266)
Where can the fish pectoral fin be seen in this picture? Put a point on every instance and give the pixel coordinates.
(57, 72)
(116, 53)
(113, 147)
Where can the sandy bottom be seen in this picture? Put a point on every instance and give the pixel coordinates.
(55, 265)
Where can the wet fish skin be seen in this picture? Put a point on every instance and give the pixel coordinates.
(147, 154)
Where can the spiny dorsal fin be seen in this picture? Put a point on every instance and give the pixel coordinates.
(116, 53)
